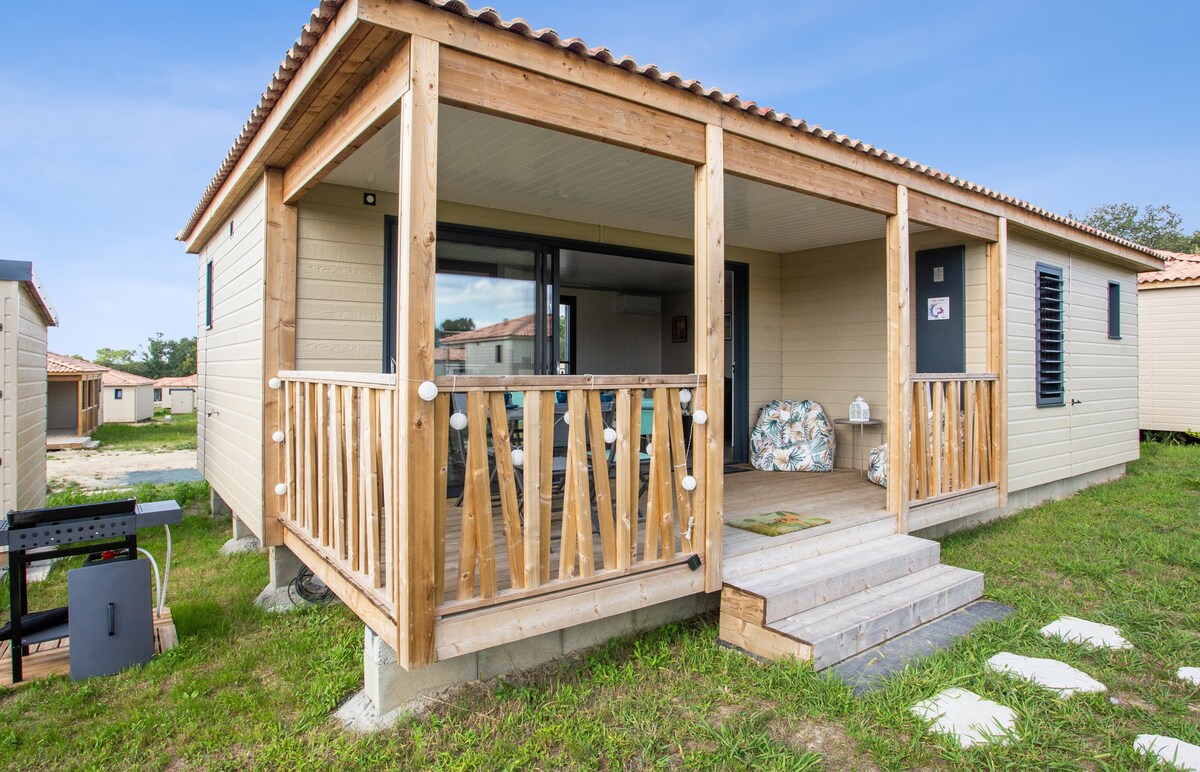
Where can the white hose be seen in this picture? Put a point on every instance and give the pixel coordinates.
(157, 584)
(162, 596)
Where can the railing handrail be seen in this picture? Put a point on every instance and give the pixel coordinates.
(951, 377)
(373, 380)
(562, 382)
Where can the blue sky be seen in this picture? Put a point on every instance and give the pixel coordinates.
(116, 116)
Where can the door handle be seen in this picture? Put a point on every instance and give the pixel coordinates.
(1076, 402)
(112, 619)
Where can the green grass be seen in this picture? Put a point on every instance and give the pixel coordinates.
(250, 689)
(155, 435)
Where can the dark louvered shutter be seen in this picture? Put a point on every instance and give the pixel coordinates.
(1051, 375)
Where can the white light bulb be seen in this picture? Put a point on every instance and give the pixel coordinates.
(274, 383)
(610, 436)
(281, 489)
(278, 436)
(427, 391)
(688, 483)
(458, 421)
(649, 448)
(518, 457)
(700, 417)
(685, 396)
(567, 419)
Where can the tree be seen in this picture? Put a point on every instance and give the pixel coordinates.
(160, 358)
(461, 324)
(120, 358)
(1157, 227)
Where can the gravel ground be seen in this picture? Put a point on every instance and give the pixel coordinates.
(100, 469)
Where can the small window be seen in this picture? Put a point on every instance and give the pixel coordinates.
(499, 353)
(208, 296)
(158, 395)
(1114, 310)
(1051, 301)
(118, 394)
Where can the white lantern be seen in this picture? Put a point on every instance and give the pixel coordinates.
(427, 391)
(860, 411)
(610, 435)
(518, 457)
(278, 436)
(685, 396)
(688, 483)
(280, 489)
(567, 419)
(649, 448)
(274, 383)
(458, 421)
(700, 417)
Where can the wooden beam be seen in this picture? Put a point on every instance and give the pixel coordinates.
(757, 161)
(997, 284)
(416, 266)
(898, 360)
(279, 343)
(501, 89)
(929, 210)
(370, 109)
(709, 351)
(456, 32)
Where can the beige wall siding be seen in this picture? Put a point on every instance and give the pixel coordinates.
(1169, 357)
(10, 310)
(23, 380)
(1056, 442)
(339, 280)
(230, 359)
(180, 400)
(136, 404)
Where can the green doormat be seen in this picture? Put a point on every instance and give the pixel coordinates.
(777, 523)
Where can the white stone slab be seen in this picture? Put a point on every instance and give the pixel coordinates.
(1057, 676)
(1169, 750)
(1091, 634)
(1191, 674)
(967, 717)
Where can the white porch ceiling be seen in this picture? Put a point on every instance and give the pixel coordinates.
(501, 164)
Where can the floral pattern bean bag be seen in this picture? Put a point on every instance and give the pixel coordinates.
(877, 470)
(792, 437)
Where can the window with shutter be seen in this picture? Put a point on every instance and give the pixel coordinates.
(1051, 301)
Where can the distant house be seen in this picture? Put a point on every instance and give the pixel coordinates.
(497, 349)
(1169, 346)
(449, 361)
(73, 400)
(128, 398)
(25, 313)
(177, 393)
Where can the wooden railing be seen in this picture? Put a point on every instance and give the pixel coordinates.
(338, 439)
(953, 434)
(572, 514)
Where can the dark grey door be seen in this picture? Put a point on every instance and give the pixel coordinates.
(941, 329)
(111, 624)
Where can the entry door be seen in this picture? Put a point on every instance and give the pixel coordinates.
(941, 329)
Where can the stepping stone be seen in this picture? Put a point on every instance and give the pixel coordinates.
(967, 717)
(1057, 676)
(1190, 674)
(1169, 750)
(1091, 634)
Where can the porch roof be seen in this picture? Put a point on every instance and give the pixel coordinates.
(324, 14)
(57, 364)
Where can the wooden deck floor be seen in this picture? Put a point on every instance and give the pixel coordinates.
(64, 439)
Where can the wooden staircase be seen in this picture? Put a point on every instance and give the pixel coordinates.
(796, 600)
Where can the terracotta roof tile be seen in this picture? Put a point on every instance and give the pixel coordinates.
(521, 327)
(324, 13)
(57, 363)
(121, 378)
(178, 382)
(1179, 266)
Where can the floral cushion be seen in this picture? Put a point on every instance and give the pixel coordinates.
(792, 437)
(877, 470)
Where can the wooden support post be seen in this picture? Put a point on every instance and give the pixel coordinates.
(898, 360)
(709, 352)
(997, 272)
(279, 345)
(416, 266)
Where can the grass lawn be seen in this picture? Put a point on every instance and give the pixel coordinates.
(179, 434)
(246, 688)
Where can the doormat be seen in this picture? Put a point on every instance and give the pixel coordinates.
(777, 523)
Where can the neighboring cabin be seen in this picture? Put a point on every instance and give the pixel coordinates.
(73, 400)
(1169, 346)
(128, 398)
(177, 394)
(25, 313)
(413, 162)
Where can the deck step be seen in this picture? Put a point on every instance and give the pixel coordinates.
(790, 589)
(856, 622)
(811, 543)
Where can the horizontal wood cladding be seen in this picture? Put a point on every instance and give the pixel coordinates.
(1169, 361)
(29, 391)
(509, 92)
(766, 163)
(927, 210)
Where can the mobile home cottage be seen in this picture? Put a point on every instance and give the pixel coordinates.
(415, 166)
(1169, 366)
(127, 398)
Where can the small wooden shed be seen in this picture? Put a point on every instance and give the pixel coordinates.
(25, 313)
(128, 398)
(1169, 351)
(73, 400)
